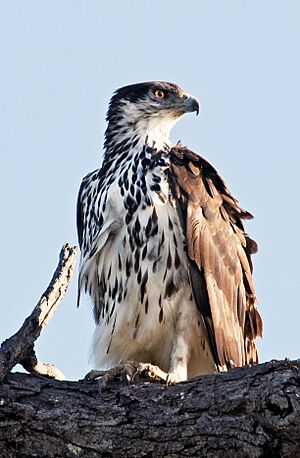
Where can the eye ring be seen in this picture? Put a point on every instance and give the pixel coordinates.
(159, 93)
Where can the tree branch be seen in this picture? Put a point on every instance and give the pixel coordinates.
(247, 412)
(19, 348)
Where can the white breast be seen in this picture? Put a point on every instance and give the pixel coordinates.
(143, 267)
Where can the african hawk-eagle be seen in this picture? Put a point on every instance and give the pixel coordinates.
(164, 255)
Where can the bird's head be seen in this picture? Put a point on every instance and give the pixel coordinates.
(148, 110)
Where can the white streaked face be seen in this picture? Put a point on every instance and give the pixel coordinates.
(151, 110)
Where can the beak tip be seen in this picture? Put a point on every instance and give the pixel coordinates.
(195, 106)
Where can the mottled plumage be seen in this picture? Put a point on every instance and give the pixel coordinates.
(165, 258)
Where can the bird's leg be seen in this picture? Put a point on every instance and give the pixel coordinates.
(179, 357)
(131, 369)
(179, 360)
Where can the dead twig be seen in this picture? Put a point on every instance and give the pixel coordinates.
(19, 348)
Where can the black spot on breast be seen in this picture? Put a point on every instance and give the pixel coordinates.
(109, 273)
(103, 286)
(139, 276)
(130, 238)
(161, 243)
(132, 189)
(165, 274)
(128, 218)
(144, 252)
(177, 260)
(137, 260)
(129, 203)
(146, 305)
(155, 187)
(128, 266)
(152, 226)
(120, 292)
(100, 221)
(175, 240)
(169, 260)
(115, 289)
(138, 197)
(137, 226)
(154, 215)
(142, 185)
(170, 288)
(143, 285)
(161, 315)
(149, 226)
(138, 237)
(148, 201)
(112, 309)
(137, 321)
(156, 178)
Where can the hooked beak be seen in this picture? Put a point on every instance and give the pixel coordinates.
(190, 104)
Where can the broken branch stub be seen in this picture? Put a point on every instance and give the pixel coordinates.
(19, 348)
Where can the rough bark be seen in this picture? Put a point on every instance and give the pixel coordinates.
(247, 412)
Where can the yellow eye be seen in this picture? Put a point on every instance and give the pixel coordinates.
(159, 94)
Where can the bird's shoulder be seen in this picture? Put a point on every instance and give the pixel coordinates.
(196, 177)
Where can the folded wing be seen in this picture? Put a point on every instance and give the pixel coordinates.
(219, 253)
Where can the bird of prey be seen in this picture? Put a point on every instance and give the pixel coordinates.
(164, 254)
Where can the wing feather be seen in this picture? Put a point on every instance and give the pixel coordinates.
(220, 258)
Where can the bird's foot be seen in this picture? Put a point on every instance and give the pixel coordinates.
(173, 377)
(130, 369)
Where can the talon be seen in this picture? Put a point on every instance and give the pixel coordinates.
(129, 369)
(173, 378)
(93, 375)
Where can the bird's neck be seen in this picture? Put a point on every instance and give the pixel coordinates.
(133, 136)
(154, 132)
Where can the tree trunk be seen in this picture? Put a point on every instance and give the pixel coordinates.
(247, 412)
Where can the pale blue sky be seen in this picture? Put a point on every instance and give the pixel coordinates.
(60, 62)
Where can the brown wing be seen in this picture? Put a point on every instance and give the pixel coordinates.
(219, 252)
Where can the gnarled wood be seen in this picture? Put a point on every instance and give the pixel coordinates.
(19, 348)
(247, 412)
